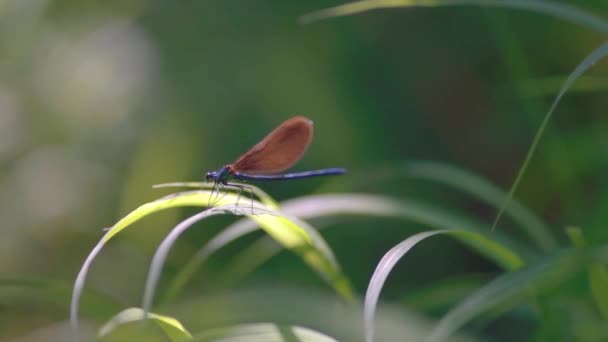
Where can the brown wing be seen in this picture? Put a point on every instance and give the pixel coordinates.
(279, 150)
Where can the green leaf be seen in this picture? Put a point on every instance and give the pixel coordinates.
(288, 231)
(555, 9)
(589, 61)
(171, 326)
(596, 273)
(390, 259)
(576, 236)
(257, 192)
(510, 287)
(598, 280)
(484, 190)
(267, 332)
(318, 206)
(546, 7)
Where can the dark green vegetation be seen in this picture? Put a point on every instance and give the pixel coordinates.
(432, 109)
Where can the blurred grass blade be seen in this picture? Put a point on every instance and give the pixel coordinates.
(576, 236)
(259, 193)
(383, 269)
(510, 287)
(290, 232)
(390, 259)
(187, 198)
(413, 211)
(223, 238)
(596, 273)
(589, 61)
(598, 281)
(551, 8)
(318, 206)
(300, 238)
(267, 332)
(193, 198)
(174, 330)
(486, 191)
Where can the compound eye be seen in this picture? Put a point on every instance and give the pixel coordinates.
(210, 176)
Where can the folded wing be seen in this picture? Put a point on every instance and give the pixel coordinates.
(279, 150)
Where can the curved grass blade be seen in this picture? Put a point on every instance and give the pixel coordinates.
(486, 191)
(267, 332)
(174, 330)
(390, 259)
(263, 249)
(318, 206)
(306, 243)
(223, 238)
(467, 182)
(598, 281)
(259, 193)
(192, 198)
(509, 256)
(589, 61)
(290, 232)
(596, 273)
(554, 9)
(383, 269)
(510, 287)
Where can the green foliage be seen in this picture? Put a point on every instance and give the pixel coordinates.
(101, 100)
(291, 233)
(174, 330)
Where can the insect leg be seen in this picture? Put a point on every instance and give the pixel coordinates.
(210, 201)
(245, 188)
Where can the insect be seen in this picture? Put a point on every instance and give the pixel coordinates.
(264, 162)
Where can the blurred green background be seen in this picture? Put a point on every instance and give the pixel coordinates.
(99, 100)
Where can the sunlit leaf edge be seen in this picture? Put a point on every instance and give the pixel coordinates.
(551, 8)
(173, 328)
(197, 198)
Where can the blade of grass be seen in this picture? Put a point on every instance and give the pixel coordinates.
(268, 332)
(259, 193)
(597, 274)
(487, 192)
(383, 269)
(263, 249)
(223, 238)
(598, 281)
(462, 180)
(310, 246)
(554, 9)
(510, 287)
(589, 61)
(291, 235)
(174, 330)
(185, 199)
(319, 206)
(390, 259)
